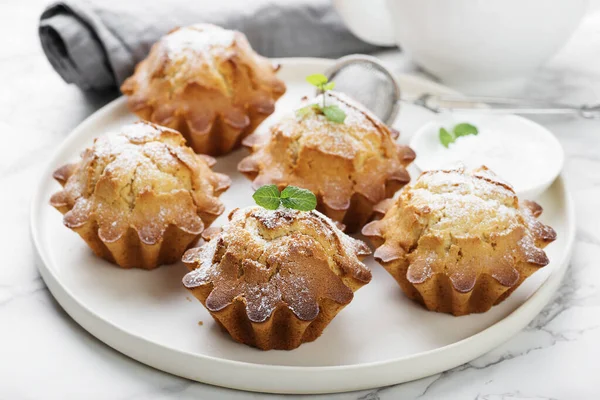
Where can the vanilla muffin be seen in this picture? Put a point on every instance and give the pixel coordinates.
(460, 241)
(275, 279)
(350, 166)
(141, 197)
(207, 83)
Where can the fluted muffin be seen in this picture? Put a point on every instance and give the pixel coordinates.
(141, 197)
(350, 166)
(207, 83)
(460, 241)
(275, 279)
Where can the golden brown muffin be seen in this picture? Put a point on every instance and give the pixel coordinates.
(349, 166)
(207, 83)
(460, 241)
(275, 279)
(141, 197)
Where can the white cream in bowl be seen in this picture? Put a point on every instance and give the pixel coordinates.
(522, 152)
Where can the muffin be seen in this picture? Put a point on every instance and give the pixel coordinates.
(460, 241)
(275, 279)
(207, 83)
(141, 197)
(350, 166)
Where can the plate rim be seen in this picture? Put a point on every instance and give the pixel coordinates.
(112, 334)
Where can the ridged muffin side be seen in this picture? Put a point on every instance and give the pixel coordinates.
(140, 197)
(207, 83)
(460, 241)
(276, 279)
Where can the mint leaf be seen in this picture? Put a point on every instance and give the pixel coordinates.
(304, 111)
(298, 199)
(334, 114)
(465, 129)
(317, 80)
(329, 86)
(268, 197)
(307, 110)
(446, 138)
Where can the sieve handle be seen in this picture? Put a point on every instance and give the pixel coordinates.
(499, 105)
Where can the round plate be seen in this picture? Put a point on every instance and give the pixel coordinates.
(381, 338)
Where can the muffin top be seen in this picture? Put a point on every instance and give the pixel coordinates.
(462, 223)
(142, 177)
(333, 160)
(202, 72)
(278, 258)
(197, 39)
(459, 203)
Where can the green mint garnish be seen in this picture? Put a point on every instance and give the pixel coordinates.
(465, 129)
(446, 138)
(333, 113)
(298, 198)
(459, 130)
(303, 112)
(318, 80)
(269, 197)
(329, 86)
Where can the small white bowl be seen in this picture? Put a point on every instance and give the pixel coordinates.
(520, 151)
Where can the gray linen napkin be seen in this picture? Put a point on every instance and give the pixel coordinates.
(96, 44)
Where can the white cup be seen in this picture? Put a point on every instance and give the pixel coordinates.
(477, 46)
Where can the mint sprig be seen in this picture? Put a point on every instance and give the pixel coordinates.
(318, 80)
(463, 129)
(332, 112)
(298, 198)
(269, 197)
(446, 137)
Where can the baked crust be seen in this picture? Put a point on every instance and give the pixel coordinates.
(460, 241)
(207, 83)
(275, 279)
(350, 166)
(141, 197)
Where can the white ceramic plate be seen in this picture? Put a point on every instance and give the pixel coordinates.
(380, 339)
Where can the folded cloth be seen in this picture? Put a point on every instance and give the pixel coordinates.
(96, 44)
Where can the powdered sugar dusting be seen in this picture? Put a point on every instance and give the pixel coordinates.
(274, 258)
(203, 273)
(360, 132)
(465, 226)
(459, 203)
(134, 178)
(197, 38)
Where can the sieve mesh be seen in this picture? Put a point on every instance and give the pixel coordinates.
(366, 80)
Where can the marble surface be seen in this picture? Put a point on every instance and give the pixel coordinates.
(45, 354)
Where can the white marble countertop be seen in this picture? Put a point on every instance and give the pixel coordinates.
(45, 354)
